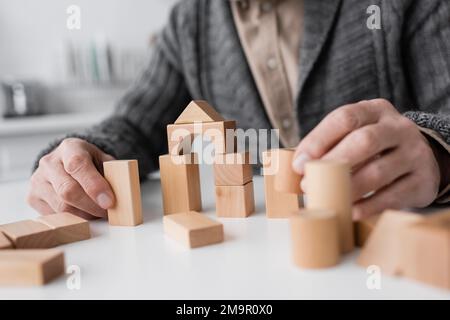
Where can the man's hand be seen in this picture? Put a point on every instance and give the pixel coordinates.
(68, 180)
(389, 156)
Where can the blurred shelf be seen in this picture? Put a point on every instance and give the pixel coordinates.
(64, 122)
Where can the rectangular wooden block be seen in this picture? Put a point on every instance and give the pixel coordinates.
(30, 267)
(235, 201)
(4, 242)
(29, 234)
(68, 227)
(232, 169)
(278, 204)
(123, 176)
(180, 183)
(363, 229)
(427, 253)
(193, 229)
(216, 131)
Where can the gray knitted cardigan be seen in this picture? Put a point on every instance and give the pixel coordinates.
(199, 56)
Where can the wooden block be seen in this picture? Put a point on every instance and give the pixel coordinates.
(193, 229)
(221, 134)
(363, 228)
(199, 111)
(68, 227)
(278, 204)
(427, 253)
(232, 169)
(29, 234)
(30, 267)
(286, 180)
(4, 242)
(386, 246)
(180, 183)
(315, 239)
(123, 176)
(329, 187)
(235, 201)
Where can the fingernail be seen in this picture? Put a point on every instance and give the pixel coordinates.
(104, 201)
(303, 185)
(299, 163)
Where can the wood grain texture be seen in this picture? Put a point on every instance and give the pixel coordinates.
(29, 234)
(315, 239)
(286, 179)
(329, 187)
(68, 227)
(193, 229)
(232, 169)
(279, 205)
(386, 245)
(4, 242)
(199, 111)
(235, 201)
(123, 177)
(180, 183)
(30, 267)
(220, 133)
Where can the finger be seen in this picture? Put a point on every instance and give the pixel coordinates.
(379, 173)
(79, 164)
(397, 195)
(69, 190)
(40, 206)
(363, 144)
(332, 129)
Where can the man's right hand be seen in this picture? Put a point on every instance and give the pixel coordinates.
(68, 180)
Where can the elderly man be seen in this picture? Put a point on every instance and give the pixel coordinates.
(377, 98)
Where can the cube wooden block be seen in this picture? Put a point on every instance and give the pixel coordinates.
(180, 183)
(278, 204)
(386, 245)
(286, 179)
(123, 177)
(29, 234)
(30, 267)
(363, 229)
(193, 229)
(235, 201)
(315, 239)
(4, 242)
(219, 132)
(68, 227)
(427, 253)
(232, 169)
(199, 111)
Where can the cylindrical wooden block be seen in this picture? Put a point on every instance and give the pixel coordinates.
(328, 186)
(315, 239)
(286, 180)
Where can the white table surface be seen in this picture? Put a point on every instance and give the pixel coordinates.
(253, 262)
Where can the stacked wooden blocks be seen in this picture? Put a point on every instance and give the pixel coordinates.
(19, 265)
(233, 178)
(279, 204)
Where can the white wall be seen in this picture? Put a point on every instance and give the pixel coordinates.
(33, 32)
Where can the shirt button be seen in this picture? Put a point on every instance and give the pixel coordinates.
(286, 123)
(272, 63)
(266, 6)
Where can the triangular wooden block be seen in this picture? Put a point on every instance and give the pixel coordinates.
(199, 111)
(385, 245)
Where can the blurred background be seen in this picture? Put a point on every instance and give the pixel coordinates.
(63, 65)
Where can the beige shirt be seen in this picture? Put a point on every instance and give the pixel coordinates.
(270, 32)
